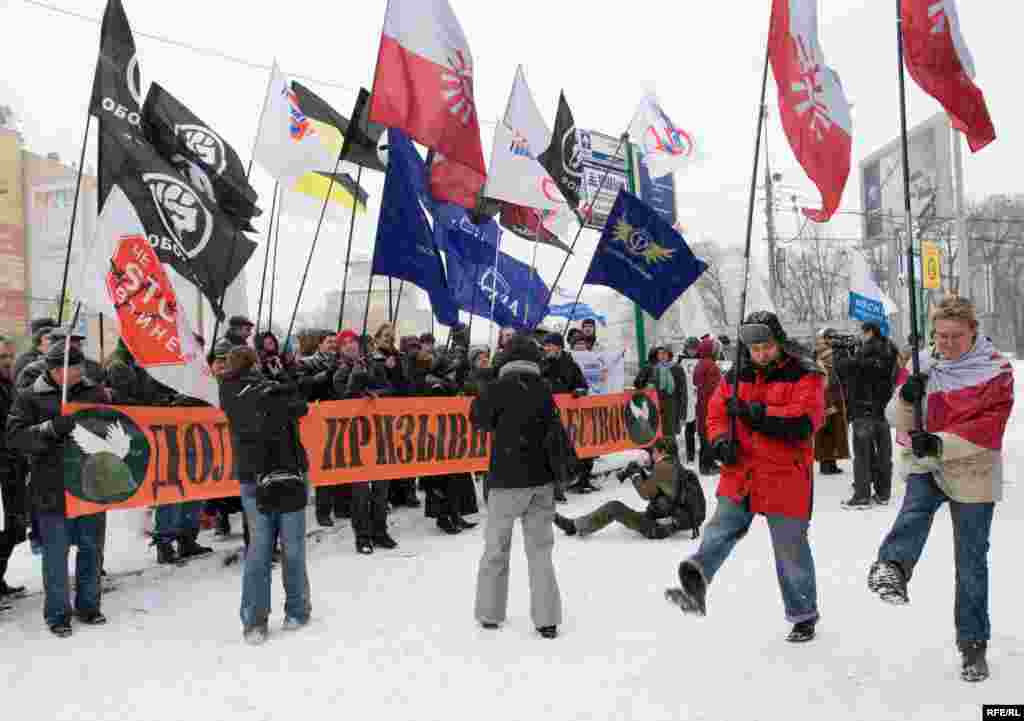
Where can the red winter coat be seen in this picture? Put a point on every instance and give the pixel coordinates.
(706, 378)
(777, 473)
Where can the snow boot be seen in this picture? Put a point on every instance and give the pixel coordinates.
(463, 524)
(857, 503)
(364, 545)
(802, 632)
(566, 525)
(256, 635)
(691, 596)
(880, 500)
(383, 540)
(10, 591)
(972, 655)
(448, 524)
(92, 618)
(489, 625)
(889, 582)
(548, 631)
(61, 629)
(189, 548)
(165, 553)
(324, 520)
(830, 468)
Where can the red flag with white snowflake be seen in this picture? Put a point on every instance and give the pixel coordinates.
(814, 110)
(938, 60)
(423, 84)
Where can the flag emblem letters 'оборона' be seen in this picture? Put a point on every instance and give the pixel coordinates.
(183, 213)
(637, 241)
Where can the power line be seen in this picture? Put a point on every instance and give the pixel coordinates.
(210, 52)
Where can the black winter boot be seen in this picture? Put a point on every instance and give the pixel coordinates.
(972, 655)
(448, 524)
(566, 525)
(165, 553)
(889, 582)
(189, 548)
(802, 632)
(691, 596)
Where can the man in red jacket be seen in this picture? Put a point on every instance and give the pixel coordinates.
(764, 440)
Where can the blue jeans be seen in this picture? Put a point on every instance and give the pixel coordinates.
(264, 528)
(972, 524)
(176, 519)
(57, 535)
(794, 564)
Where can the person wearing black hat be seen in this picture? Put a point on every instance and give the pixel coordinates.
(28, 375)
(764, 439)
(40, 329)
(870, 378)
(239, 330)
(36, 428)
(519, 411)
(564, 375)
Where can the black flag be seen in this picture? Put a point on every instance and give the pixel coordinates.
(200, 154)
(116, 88)
(186, 230)
(361, 136)
(563, 159)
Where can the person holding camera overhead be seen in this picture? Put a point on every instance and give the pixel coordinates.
(675, 500)
(272, 464)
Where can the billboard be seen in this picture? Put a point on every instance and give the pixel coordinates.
(13, 307)
(931, 181)
(604, 169)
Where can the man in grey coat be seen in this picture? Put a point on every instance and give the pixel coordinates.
(520, 413)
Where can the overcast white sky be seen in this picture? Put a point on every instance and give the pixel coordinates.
(703, 59)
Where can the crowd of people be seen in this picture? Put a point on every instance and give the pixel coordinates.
(761, 426)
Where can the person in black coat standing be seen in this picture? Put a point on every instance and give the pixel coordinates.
(36, 428)
(519, 412)
(14, 522)
(264, 415)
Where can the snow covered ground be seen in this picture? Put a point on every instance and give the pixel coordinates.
(393, 636)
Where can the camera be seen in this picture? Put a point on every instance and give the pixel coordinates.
(629, 472)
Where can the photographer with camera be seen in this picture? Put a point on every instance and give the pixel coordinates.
(831, 442)
(675, 500)
(869, 372)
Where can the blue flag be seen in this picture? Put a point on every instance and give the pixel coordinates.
(405, 246)
(453, 227)
(582, 311)
(517, 290)
(643, 257)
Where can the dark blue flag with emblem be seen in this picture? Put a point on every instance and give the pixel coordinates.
(504, 289)
(405, 246)
(643, 257)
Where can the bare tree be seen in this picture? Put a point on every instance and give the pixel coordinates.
(816, 280)
(711, 284)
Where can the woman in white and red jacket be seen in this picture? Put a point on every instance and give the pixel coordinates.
(966, 390)
(767, 468)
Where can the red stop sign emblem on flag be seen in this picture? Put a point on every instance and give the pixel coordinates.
(145, 302)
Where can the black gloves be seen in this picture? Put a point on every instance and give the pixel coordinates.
(926, 444)
(62, 425)
(914, 389)
(727, 451)
(753, 413)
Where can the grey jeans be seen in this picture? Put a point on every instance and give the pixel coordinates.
(535, 508)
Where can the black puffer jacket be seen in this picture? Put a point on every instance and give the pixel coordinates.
(870, 378)
(518, 410)
(264, 425)
(316, 375)
(12, 465)
(29, 431)
(563, 374)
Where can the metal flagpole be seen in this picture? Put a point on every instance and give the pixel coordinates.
(348, 251)
(74, 216)
(273, 275)
(398, 301)
(316, 237)
(366, 312)
(494, 292)
(266, 258)
(67, 356)
(533, 263)
(391, 310)
(750, 229)
(908, 220)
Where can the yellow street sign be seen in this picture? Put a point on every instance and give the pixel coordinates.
(931, 266)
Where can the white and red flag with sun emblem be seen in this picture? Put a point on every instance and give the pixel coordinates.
(814, 110)
(423, 84)
(940, 62)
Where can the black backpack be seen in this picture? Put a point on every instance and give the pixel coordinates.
(691, 504)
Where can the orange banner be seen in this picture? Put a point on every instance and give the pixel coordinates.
(132, 457)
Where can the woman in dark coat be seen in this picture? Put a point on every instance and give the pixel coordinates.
(831, 442)
(264, 418)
